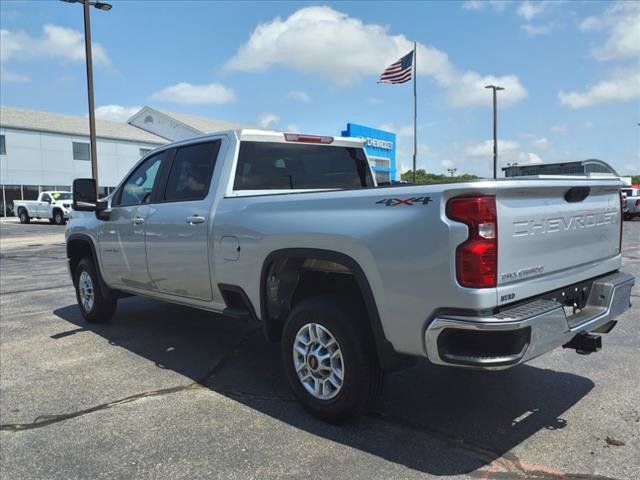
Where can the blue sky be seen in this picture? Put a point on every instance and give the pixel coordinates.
(571, 70)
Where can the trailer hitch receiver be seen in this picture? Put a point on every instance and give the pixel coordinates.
(585, 343)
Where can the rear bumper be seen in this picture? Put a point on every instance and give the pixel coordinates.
(521, 333)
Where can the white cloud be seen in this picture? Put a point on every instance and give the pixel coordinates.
(307, 41)
(528, 10)
(470, 91)
(116, 113)
(184, 92)
(560, 128)
(533, 158)
(56, 42)
(299, 95)
(621, 86)
(268, 120)
(495, 5)
(292, 127)
(13, 77)
(485, 148)
(373, 100)
(447, 164)
(541, 144)
(534, 30)
(621, 21)
(402, 131)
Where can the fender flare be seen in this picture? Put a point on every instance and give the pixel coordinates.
(104, 288)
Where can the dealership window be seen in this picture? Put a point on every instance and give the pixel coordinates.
(81, 151)
(383, 177)
(11, 193)
(3, 146)
(380, 161)
(30, 192)
(144, 151)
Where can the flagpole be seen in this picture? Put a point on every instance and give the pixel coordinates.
(415, 110)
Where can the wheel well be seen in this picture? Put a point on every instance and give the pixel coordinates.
(289, 280)
(77, 249)
(293, 274)
(20, 209)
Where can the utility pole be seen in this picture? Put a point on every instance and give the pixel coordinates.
(87, 47)
(495, 88)
(452, 171)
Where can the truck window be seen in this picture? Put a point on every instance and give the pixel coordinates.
(46, 198)
(137, 188)
(191, 171)
(275, 166)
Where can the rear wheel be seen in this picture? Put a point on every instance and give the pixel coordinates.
(58, 217)
(23, 216)
(329, 359)
(94, 305)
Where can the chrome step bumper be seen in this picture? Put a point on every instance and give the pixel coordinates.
(516, 335)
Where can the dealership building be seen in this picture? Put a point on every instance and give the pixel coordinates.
(45, 151)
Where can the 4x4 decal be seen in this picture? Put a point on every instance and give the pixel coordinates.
(392, 202)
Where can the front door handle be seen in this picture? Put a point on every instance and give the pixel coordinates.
(137, 220)
(195, 219)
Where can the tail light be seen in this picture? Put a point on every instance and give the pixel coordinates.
(477, 257)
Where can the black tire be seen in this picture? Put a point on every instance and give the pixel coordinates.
(362, 376)
(103, 307)
(628, 216)
(23, 215)
(58, 217)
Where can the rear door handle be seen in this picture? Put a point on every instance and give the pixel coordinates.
(137, 220)
(195, 219)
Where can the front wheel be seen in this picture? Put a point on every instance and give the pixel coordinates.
(94, 305)
(58, 217)
(24, 216)
(330, 360)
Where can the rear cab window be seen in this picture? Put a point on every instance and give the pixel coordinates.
(297, 166)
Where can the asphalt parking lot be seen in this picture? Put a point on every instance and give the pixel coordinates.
(169, 392)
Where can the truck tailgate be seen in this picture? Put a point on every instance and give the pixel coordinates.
(553, 229)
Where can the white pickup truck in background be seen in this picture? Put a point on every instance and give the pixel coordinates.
(631, 208)
(52, 205)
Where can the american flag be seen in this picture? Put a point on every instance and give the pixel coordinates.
(398, 72)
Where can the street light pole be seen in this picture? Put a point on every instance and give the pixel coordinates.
(495, 129)
(92, 113)
(89, 60)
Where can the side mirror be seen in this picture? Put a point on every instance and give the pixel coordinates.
(84, 195)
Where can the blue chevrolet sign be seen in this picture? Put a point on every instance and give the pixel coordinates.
(380, 146)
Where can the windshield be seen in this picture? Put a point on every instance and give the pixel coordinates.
(284, 166)
(61, 195)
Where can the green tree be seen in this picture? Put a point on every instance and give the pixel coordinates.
(422, 177)
(635, 179)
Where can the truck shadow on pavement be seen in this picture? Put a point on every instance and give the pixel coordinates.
(431, 419)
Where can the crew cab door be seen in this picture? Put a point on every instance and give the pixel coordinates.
(177, 225)
(121, 237)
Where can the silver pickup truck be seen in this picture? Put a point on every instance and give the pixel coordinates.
(354, 279)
